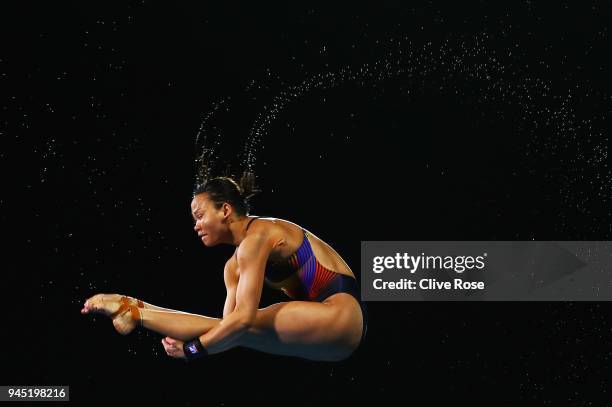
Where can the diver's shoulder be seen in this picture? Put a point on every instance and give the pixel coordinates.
(271, 222)
(276, 229)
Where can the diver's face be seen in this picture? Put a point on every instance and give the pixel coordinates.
(209, 221)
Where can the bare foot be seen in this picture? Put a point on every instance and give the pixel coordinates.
(108, 304)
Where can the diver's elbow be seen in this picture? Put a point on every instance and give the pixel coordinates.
(245, 320)
(246, 323)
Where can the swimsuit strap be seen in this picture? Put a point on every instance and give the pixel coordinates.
(249, 224)
(247, 228)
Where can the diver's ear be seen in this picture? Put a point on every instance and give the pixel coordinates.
(227, 210)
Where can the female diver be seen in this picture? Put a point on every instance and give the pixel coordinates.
(324, 320)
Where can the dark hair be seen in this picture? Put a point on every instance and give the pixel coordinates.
(226, 190)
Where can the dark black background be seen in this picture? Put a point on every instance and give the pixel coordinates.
(101, 103)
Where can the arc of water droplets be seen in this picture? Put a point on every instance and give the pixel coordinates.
(376, 72)
(494, 76)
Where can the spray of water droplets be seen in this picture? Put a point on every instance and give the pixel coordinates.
(367, 74)
(207, 143)
(478, 70)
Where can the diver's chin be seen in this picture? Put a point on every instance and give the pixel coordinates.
(207, 242)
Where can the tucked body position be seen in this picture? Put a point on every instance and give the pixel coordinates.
(323, 319)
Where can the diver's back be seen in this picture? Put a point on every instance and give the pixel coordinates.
(287, 238)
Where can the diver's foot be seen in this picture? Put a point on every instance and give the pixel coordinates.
(107, 304)
(122, 309)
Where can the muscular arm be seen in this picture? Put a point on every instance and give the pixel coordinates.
(252, 255)
(231, 282)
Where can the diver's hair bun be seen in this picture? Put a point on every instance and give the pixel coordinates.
(247, 185)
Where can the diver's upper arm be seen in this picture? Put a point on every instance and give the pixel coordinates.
(252, 256)
(231, 282)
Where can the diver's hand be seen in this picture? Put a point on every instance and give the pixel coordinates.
(173, 347)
